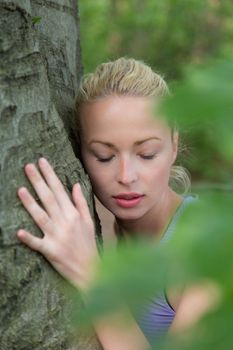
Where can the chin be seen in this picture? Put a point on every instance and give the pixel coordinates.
(128, 215)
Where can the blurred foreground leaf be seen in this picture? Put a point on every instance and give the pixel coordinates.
(202, 247)
(204, 100)
(201, 250)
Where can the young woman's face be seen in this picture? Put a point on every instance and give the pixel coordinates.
(127, 153)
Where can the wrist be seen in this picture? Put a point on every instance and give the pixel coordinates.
(88, 276)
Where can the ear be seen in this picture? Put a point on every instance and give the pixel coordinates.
(175, 145)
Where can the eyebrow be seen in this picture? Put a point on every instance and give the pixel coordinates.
(148, 139)
(137, 143)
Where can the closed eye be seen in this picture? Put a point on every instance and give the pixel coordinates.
(149, 156)
(105, 160)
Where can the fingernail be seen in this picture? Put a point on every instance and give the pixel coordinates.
(78, 185)
(20, 233)
(29, 167)
(21, 190)
(43, 160)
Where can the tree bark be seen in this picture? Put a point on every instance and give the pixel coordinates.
(40, 69)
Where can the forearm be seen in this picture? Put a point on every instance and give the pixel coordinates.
(120, 331)
(196, 301)
(116, 330)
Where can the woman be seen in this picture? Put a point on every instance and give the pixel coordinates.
(128, 151)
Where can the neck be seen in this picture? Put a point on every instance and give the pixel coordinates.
(154, 223)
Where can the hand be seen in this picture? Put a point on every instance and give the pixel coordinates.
(69, 235)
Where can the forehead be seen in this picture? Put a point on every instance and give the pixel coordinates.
(121, 116)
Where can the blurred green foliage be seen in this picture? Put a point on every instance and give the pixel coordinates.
(168, 35)
(202, 104)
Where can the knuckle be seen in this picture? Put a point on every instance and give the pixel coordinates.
(58, 186)
(48, 198)
(71, 222)
(39, 246)
(43, 220)
(72, 216)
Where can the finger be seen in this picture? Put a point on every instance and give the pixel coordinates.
(37, 213)
(55, 184)
(31, 241)
(80, 201)
(45, 194)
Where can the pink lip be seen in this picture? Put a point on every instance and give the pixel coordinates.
(128, 200)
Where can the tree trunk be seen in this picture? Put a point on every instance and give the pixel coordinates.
(40, 70)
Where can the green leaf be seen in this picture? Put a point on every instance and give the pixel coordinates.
(36, 20)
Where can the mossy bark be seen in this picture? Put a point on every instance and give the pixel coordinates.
(40, 69)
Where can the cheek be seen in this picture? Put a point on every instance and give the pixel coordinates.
(97, 180)
(161, 170)
(98, 176)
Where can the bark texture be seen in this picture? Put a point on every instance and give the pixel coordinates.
(40, 69)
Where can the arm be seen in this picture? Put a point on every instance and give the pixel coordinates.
(120, 331)
(69, 245)
(194, 302)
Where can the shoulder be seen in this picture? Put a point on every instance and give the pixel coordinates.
(187, 201)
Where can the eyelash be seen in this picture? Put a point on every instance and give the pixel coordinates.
(152, 156)
(105, 160)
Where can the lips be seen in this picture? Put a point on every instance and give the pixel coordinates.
(128, 195)
(128, 200)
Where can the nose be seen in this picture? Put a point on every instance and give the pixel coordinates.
(127, 171)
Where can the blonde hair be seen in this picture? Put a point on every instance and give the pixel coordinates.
(128, 77)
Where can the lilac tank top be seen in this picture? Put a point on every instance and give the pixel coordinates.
(158, 314)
